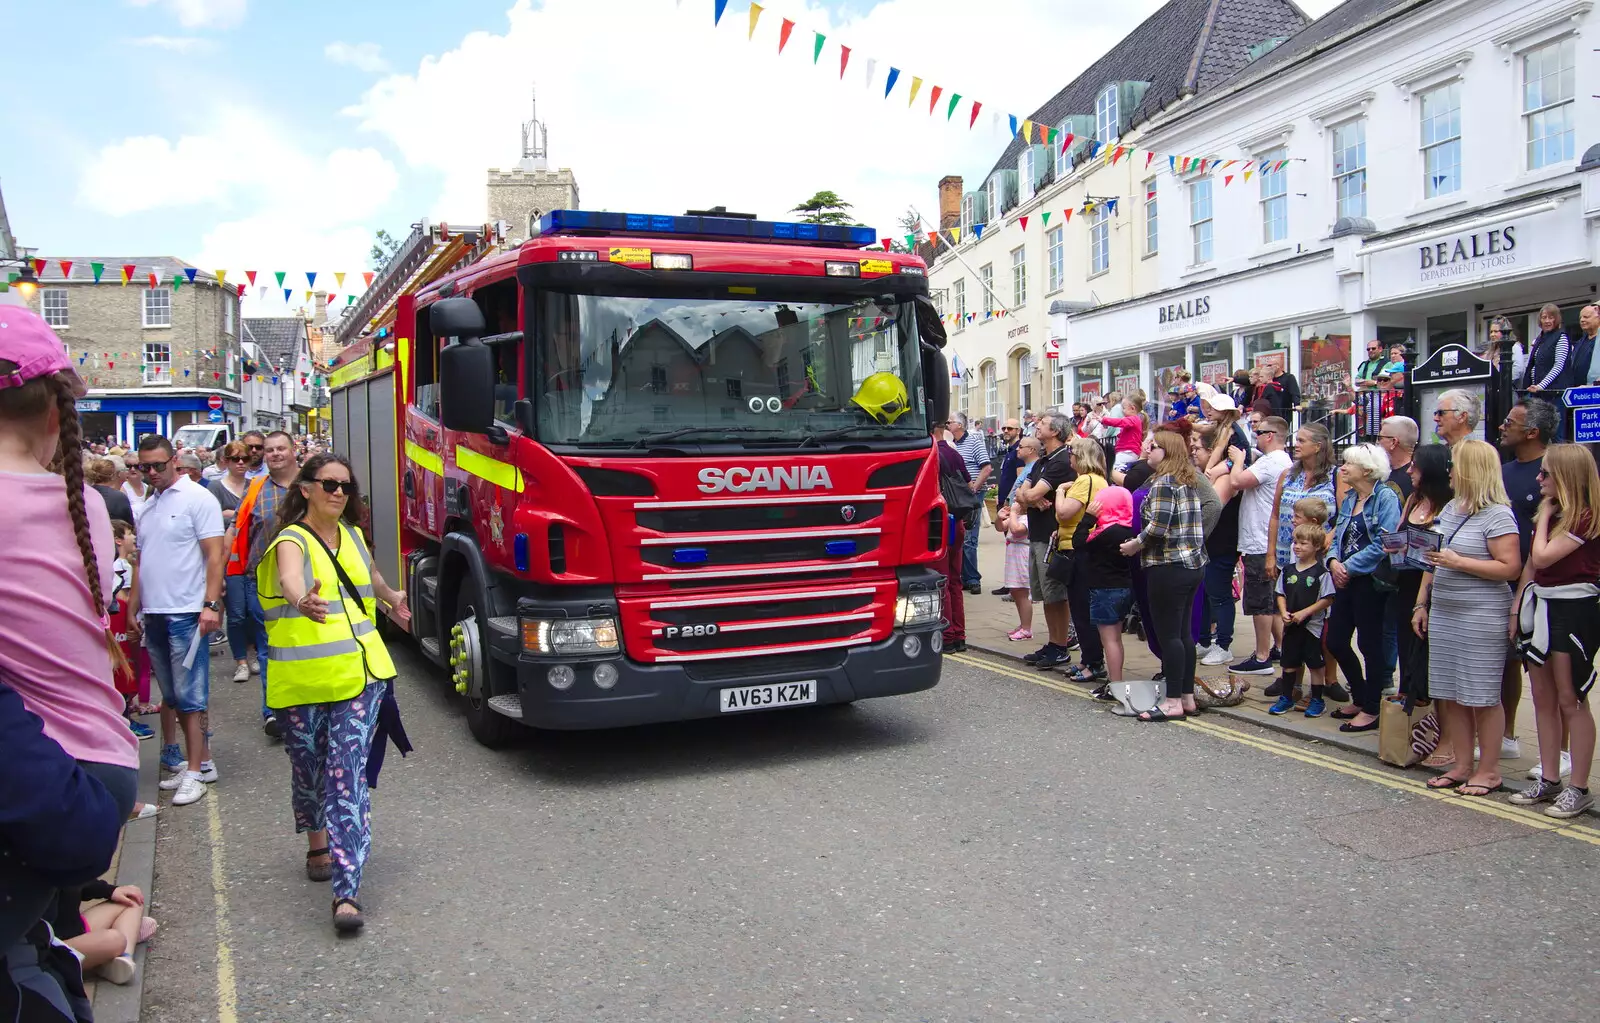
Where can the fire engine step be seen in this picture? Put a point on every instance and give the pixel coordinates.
(510, 705)
(430, 646)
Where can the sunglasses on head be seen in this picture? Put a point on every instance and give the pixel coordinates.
(152, 466)
(335, 486)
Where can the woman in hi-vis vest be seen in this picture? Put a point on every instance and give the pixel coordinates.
(329, 670)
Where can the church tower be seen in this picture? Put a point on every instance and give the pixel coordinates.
(525, 193)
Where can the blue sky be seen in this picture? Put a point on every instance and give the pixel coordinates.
(279, 134)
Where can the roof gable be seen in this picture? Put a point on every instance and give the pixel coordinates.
(278, 337)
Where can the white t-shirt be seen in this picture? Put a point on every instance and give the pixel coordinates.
(172, 565)
(1256, 512)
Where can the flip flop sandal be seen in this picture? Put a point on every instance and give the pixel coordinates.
(319, 871)
(347, 923)
(1432, 761)
(1475, 790)
(1156, 714)
(1444, 781)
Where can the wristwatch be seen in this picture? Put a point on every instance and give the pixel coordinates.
(212, 605)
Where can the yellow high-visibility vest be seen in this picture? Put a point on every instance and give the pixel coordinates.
(311, 662)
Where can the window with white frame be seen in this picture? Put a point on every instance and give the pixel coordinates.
(1200, 221)
(157, 363)
(1548, 107)
(1152, 232)
(958, 293)
(986, 282)
(992, 200)
(1440, 110)
(1274, 196)
(1025, 172)
(158, 307)
(1099, 240)
(1063, 157)
(1055, 258)
(1025, 381)
(53, 306)
(966, 212)
(1105, 115)
(1350, 168)
(991, 392)
(966, 392)
(227, 314)
(1058, 381)
(1019, 276)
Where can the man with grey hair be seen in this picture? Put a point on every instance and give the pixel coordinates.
(1457, 415)
(189, 464)
(975, 455)
(1398, 439)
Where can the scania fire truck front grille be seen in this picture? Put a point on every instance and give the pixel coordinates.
(757, 516)
(821, 547)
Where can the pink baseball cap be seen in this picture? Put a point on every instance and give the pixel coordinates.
(28, 341)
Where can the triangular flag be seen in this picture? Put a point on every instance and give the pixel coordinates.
(1027, 130)
(1147, 158)
(816, 46)
(308, 296)
(349, 300)
(222, 276)
(1117, 155)
(261, 293)
(250, 275)
(1024, 222)
(755, 16)
(887, 243)
(976, 106)
(38, 267)
(177, 279)
(844, 60)
(366, 277)
(872, 69)
(933, 98)
(97, 269)
(977, 230)
(66, 269)
(1247, 175)
(1227, 179)
(127, 273)
(894, 76)
(1014, 129)
(1172, 162)
(1112, 205)
(716, 19)
(286, 293)
(1044, 217)
(955, 234)
(280, 275)
(1095, 147)
(1066, 216)
(911, 241)
(444, 231)
(240, 291)
(916, 86)
(338, 280)
(155, 282)
(955, 101)
(311, 278)
(189, 273)
(783, 34)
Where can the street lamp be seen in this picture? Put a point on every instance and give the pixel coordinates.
(27, 283)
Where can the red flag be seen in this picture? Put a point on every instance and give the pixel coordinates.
(241, 290)
(216, 376)
(844, 60)
(783, 34)
(934, 97)
(250, 275)
(38, 267)
(66, 269)
(1024, 222)
(154, 283)
(1147, 158)
(366, 275)
(1067, 141)
(1069, 216)
(976, 106)
(1227, 180)
(886, 242)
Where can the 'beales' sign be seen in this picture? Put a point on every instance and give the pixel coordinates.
(1469, 254)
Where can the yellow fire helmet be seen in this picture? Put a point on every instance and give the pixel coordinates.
(883, 397)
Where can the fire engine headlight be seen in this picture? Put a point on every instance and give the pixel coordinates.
(838, 269)
(920, 608)
(671, 261)
(569, 636)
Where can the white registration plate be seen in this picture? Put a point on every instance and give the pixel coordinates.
(784, 694)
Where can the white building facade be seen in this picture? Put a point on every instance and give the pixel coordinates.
(1439, 173)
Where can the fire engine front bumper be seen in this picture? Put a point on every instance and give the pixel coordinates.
(647, 693)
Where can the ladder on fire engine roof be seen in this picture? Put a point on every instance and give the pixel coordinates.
(428, 253)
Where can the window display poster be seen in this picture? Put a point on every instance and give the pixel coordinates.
(1276, 360)
(1215, 373)
(1325, 364)
(1127, 383)
(1088, 387)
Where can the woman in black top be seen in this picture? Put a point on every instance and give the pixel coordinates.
(1109, 522)
(1547, 365)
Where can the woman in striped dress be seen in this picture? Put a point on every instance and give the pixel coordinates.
(1463, 608)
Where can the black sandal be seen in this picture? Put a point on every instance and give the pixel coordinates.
(316, 872)
(1157, 714)
(347, 923)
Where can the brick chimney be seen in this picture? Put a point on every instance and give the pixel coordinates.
(949, 202)
(321, 315)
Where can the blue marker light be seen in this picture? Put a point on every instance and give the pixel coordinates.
(840, 548)
(519, 551)
(594, 222)
(690, 556)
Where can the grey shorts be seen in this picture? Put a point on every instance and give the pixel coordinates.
(1045, 589)
(1260, 594)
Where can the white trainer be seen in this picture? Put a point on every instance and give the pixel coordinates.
(241, 672)
(1217, 655)
(1566, 767)
(208, 774)
(189, 790)
(1510, 748)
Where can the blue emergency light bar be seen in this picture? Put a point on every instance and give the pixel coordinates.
(587, 222)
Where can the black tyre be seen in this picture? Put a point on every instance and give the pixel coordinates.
(490, 728)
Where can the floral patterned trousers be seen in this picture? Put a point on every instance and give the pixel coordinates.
(328, 745)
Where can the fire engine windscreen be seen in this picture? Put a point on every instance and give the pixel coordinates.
(617, 370)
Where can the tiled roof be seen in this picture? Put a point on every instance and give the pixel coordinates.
(1184, 47)
(1350, 17)
(278, 338)
(164, 266)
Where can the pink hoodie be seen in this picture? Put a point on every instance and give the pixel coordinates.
(1130, 432)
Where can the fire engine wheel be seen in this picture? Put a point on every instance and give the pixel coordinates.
(469, 671)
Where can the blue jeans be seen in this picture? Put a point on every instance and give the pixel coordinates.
(167, 637)
(1220, 609)
(256, 624)
(969, 559)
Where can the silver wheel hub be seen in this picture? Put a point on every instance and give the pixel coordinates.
(466, 660)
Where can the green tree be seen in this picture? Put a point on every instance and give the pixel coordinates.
(824, 208)
(384, 247)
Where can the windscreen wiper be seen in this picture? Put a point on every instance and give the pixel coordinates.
(815, 439)
(658, 438)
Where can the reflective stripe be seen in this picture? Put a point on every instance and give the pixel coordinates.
(501, 474)
(288, 610)
(425, 458)
(362, 626)
(313, 651)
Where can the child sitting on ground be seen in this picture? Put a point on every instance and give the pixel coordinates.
(1305, 592)
(104, 935)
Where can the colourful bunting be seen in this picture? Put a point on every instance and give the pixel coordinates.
(349, 300)
(1066, 142)
(955, 101)
(311, 278)
(976, 106)
(977, 231)
(872, 69)
(366, 276)
(280, 275)
(127, 273)
(894, 76)
(755, 16)
(955, 235)
(222, 276)
(933, 98)
(722, 5)
(1014, 129)
(155, 282)
(844, 60)
(816, 47)
(916, 86)
(1227, 179)
(1147, 158)
(1095, 147)
(97, 269)
(177, 280)
(1024, 222)
(286, 293)
(1066, 216)
(66, 268)
(1027, 130)
(783, 34)
(250, 275)
(1044, 218)
(1172, 162)
(240, 292)
(1247, 175)
(38, 267)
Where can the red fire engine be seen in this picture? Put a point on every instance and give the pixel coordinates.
(649, 468)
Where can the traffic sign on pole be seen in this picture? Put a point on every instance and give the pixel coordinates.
(214, 402)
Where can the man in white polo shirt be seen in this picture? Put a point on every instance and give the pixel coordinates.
(177, 591)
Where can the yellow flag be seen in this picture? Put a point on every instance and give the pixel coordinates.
(916, 84)
(955, 235)
(1027, 131)
(222, 276)
(1247, 175)
(310, 295)
(755, 16)
(338, 279)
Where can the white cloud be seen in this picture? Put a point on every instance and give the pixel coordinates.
(202, 13)
(362, 56)
(177, 44)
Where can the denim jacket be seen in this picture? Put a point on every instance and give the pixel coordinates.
(1382, 515)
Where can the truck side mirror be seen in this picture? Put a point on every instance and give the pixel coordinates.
(466, 386)
(456, 317)
(929, 324)
(936, 384)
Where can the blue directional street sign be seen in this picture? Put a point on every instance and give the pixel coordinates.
(1581, 397)
(216, 415)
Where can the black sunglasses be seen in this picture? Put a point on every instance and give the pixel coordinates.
(152, 466)
(335, 486)
(256, 447)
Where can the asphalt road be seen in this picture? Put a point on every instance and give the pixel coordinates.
(989, 850)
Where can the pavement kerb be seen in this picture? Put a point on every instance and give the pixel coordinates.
(136, 864)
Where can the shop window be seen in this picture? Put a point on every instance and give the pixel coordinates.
(1548, 107)
(1152, 233)
(53, 306)
(1441, 140)
(157, 363)
(1350, 168)
(1125, 374)
(1200, 221)
(1019, 277)
(1274, 196)
(1269, 349)
(1100, 240)
(1055, 260)
(1214, 363)
(958, 293)
(157, 307)
(1090, 378)
(1325, 382)
(1165, 365)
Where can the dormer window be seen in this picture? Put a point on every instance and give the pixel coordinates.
(1106, 115)
(992, 187)
(1025, 172)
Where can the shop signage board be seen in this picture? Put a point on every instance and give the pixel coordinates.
(1517, 246)
(1585, 405)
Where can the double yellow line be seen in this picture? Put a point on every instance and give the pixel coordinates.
(1378, 776)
